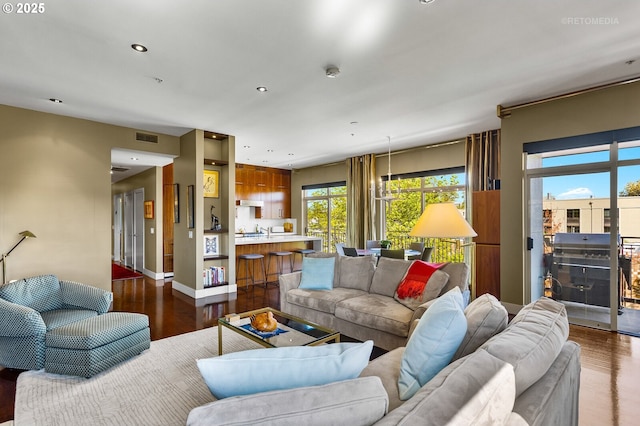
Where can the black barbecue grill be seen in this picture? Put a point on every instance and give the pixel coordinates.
(581, 264)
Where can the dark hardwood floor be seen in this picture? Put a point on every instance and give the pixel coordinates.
(610, 380)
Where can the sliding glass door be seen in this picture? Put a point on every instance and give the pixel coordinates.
(583, 228)
(629, 229)
(570, 254)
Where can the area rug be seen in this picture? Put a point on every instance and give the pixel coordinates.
(120, 273)
(158, 387)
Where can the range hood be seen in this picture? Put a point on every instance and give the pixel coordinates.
(250, 203)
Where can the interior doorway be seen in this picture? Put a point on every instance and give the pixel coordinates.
(129, 226)
(133, 229)
(118, 232)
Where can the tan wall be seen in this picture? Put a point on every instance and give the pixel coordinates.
(425, 158)
(151, 181)
(607, 109)
(185, 250)
(55, 182)
(188, 170)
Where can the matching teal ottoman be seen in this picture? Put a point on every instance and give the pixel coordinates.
(88, 347)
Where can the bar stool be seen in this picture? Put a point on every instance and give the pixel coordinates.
(302, 253)
(279, 258)
(251, 258)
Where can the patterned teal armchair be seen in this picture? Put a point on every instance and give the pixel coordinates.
(32, 306)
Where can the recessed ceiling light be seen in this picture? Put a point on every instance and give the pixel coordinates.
(269, 150)
(261, 89)
(291, 153)
(138, 47)
(426, 1)
(265, 161)
(246, 146)
(289, 165)
(55, 100)
(353, 123)
(135, 158)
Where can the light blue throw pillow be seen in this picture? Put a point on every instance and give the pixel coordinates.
(262, 370)
(317, 273)
(433, 343)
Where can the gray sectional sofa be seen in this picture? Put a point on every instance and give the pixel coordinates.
(361, 304)
(526, 374)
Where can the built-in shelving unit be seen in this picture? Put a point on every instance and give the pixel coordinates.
(215, 159)
(210, 162)
(203, 151)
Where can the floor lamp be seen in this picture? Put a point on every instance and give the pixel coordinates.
(3, 257)
(444, 220)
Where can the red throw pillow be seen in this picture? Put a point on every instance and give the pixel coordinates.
(422, 282)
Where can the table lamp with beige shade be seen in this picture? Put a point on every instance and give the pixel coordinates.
(445, 221)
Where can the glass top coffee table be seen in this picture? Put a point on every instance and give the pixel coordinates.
(291, 331)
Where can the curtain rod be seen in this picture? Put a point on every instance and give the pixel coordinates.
(504, 112)
(418, 148)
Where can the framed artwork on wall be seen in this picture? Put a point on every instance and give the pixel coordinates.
(148, 209)
(211, 245)
(190, 207)
(211, 183)
(176, 203)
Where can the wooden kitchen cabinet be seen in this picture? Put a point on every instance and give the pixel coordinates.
(280, 194)
(486, 222)
(258, 184)
(270, 185)
(241, 182)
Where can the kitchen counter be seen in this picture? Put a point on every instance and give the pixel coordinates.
(276, 242)
(278, 238)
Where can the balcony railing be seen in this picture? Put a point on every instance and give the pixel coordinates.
(443, 250)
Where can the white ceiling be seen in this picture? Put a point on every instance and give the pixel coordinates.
(126, 163)
(419, 73)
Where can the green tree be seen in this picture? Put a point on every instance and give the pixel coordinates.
(317, 215)
(403, 213)
(327, 214)
(631, 189)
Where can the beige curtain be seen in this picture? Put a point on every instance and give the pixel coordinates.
(360, 203)
(483, 160)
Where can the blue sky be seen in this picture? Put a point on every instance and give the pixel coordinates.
(587, 185)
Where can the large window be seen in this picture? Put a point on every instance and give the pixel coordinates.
(415, 191)
(325, 214)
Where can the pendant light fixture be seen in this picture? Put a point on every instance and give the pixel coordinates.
(384, 191)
